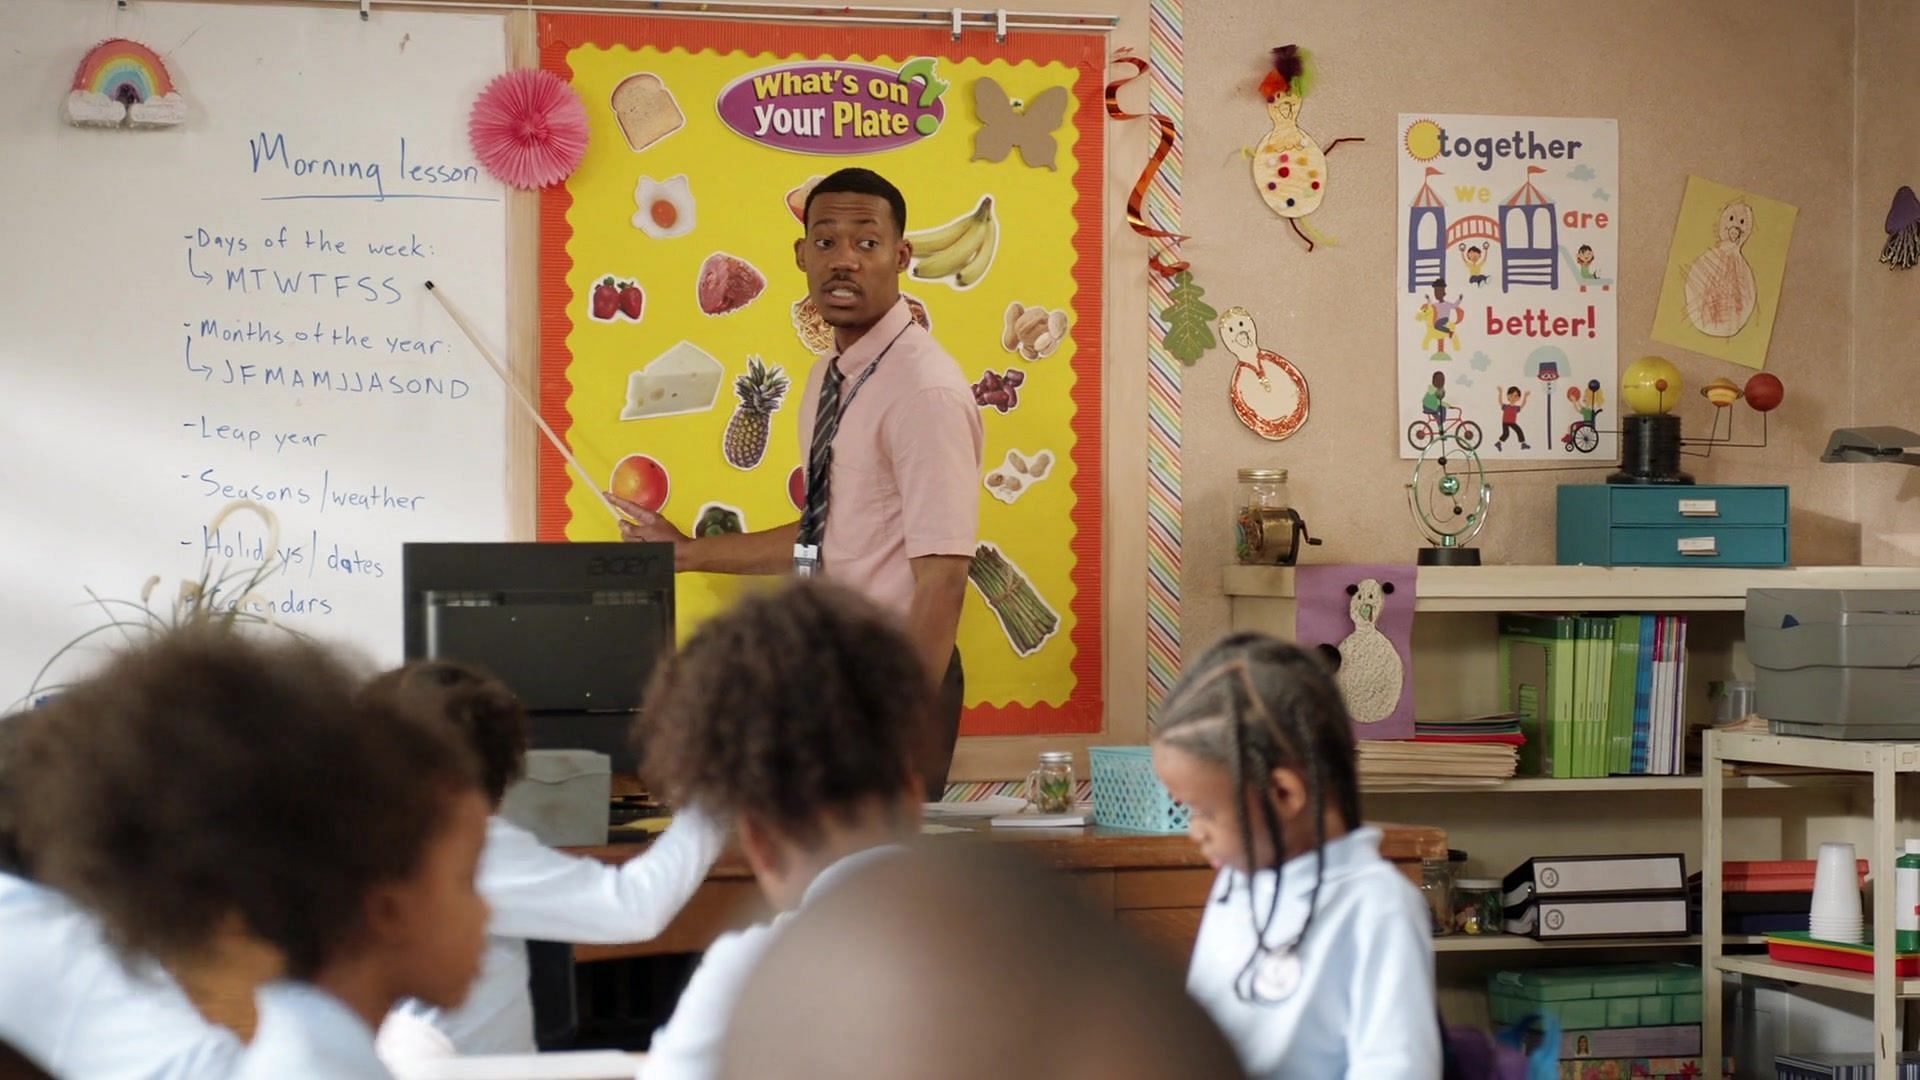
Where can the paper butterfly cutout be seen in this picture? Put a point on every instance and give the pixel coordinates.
(1002, 127)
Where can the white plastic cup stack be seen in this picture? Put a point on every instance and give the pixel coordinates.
(1836, 896)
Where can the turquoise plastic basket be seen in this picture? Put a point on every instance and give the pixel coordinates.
(1127, 795)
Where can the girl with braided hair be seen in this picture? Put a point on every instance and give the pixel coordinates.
(1314, 955)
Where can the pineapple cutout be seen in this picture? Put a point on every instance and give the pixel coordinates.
(760, 391)
(1289, 167)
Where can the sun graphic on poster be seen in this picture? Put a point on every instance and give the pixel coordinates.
(1423, 140)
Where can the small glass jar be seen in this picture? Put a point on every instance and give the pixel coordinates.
(1263, 522)
(1050, 787)
(1477, 906)
(1436, 888)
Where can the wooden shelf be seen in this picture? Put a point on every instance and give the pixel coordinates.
(1857, 982)
(1859, 757)
(1592, 588)
(1466, 943)
(1547, 785)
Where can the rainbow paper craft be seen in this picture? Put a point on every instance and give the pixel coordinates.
(121, 81)
(1800, 947)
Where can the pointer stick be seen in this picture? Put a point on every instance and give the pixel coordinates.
(522, 399)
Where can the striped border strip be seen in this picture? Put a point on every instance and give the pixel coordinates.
(1164, 55)
(975, 791)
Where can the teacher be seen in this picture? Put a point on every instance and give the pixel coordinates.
(892, 441)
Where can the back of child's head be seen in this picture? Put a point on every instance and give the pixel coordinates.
(13, 729)
(957, 962)
(1253, 704)
(794, 707)
(484, 713)
(208, 781)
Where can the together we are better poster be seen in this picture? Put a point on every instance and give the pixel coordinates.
(677, 334)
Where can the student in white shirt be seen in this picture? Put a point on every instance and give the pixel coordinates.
(798, 714)
(68, 1003)
(1314, 955)
(534, 891)
(208, 784)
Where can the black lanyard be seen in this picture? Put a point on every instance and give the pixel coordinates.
(864, 376)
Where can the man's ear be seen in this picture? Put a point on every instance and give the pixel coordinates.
(799, 261)
(903, 254)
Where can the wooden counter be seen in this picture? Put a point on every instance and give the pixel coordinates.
(1157, 885)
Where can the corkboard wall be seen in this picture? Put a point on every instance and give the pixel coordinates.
(1756, 93)
(1886, 304)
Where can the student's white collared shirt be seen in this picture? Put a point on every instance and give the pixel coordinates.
(688, 1046)
(541, 894)
(1364, 1006)
(70, 1005)
(306, 1032)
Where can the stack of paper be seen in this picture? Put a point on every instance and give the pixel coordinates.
(1439, 765)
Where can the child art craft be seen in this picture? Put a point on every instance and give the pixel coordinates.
(1289, 167)
(123, 83)
(1269, 394)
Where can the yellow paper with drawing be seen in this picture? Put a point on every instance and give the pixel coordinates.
(694, 383)
(1724, 272)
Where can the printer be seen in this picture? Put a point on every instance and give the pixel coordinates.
(1836, 663)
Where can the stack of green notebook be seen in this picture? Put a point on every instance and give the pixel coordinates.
(1597, 695)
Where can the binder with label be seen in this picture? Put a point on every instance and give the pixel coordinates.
(1595, 875)
(1627, 916)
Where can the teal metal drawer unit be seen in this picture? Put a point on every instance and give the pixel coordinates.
(1680, 525)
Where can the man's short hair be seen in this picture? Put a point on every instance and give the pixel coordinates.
(860, 182)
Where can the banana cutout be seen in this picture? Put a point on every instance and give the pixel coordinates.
(960, 251)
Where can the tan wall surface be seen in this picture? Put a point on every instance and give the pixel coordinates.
(1886, 379)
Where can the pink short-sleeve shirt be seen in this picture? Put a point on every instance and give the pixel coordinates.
(906, 460)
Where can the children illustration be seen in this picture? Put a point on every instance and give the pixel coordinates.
(1580, 262)
(1434, 401)
(1582, 434)
(1511, 402)
(1317, 959)
(1475, 256)
(1441, 315)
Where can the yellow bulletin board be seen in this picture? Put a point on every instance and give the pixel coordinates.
(676, 334)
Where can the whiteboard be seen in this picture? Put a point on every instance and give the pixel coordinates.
(234, 306)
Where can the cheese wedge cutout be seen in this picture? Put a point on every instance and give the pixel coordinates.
(684, 379)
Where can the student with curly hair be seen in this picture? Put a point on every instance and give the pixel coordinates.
(68, 1004)
(798, 714)
(1314, 957)
(207, 784)
(534, 891)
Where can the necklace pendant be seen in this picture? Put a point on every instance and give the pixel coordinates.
(1277, 975)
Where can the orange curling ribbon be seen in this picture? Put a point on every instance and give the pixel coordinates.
(1164, 124)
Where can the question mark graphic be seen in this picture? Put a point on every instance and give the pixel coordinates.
(922, 68)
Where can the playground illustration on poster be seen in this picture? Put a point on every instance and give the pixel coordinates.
(1506, 294)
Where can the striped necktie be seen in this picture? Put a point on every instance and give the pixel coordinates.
(826, 423)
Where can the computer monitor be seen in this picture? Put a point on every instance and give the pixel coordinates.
(573, 629)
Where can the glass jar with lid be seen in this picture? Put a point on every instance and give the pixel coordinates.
(1050, 787)
(1267, 531)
